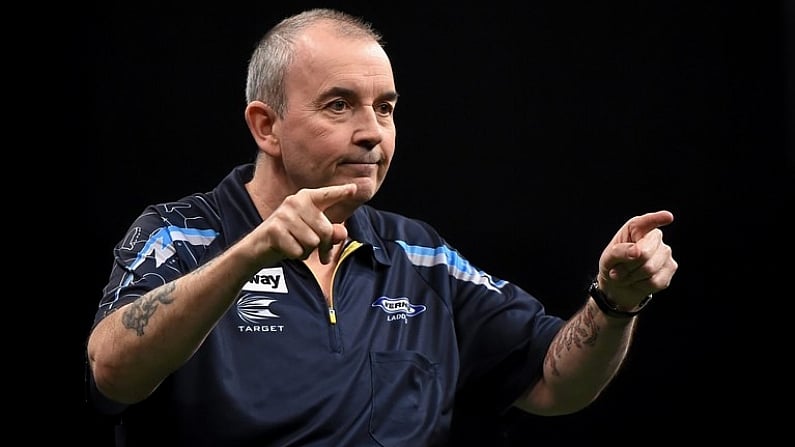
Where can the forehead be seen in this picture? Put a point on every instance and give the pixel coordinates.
(324, 59)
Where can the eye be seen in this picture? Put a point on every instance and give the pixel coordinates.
(338, 105)
(384, 108)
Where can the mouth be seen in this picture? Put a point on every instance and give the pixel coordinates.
(358, 163)
(362, 161)
(360, 168)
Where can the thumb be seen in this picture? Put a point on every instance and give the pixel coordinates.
(339, 234)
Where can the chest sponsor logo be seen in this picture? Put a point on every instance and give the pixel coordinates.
(398, 308)
(269, 280)
(255, 311)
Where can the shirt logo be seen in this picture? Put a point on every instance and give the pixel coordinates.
(267, 280)
(255, 310)
(398, 308)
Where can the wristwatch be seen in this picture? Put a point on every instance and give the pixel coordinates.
(611, 309)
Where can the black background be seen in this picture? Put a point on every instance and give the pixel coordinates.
(527, 135)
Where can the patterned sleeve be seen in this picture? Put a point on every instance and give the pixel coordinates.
(165, 242)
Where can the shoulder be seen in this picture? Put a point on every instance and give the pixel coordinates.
(204, 206)
(391, 226)
(194, 205)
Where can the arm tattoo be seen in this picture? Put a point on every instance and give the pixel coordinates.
(581, 331)
(137, 315)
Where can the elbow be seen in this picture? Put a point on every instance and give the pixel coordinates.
(113, 382)
(112, 377)
(110, 383)
(567, 407)
(552, 409)
(543, 400)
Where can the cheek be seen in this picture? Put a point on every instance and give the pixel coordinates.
(325, 139)
(302, 131)
(316, 130)
(388, 145)
(309, 141)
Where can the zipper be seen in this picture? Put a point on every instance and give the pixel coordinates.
(349, 248)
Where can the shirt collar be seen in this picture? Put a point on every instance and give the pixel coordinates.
(241, 215)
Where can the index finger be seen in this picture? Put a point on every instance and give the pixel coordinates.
(330, 195)
(641, 225)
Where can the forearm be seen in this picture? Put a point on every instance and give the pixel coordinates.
(581, 360)
(133, 350)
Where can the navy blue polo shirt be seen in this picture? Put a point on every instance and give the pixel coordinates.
(416, 331)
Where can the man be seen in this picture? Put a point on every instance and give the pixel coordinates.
(281, 309)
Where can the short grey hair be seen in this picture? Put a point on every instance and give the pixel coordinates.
(276, 50)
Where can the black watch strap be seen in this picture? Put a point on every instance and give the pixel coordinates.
(609, 308)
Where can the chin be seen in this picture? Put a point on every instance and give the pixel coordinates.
(365, 191)
(363, 197)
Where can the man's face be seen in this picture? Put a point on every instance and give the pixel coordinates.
(339, 125)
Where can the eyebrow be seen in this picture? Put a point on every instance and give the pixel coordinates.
(348, 93)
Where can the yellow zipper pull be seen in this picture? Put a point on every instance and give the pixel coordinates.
(332, 315)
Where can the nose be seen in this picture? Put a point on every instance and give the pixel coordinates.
(368, 131)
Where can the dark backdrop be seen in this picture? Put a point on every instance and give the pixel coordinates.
(527, 136)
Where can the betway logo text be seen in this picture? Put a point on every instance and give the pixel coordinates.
(267, 280)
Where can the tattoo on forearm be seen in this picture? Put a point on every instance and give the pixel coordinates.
(137, 314)
(581, 331)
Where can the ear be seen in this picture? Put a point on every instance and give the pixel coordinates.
(261, 119)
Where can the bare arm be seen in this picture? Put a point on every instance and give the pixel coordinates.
(590, 348)
(131, 351)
